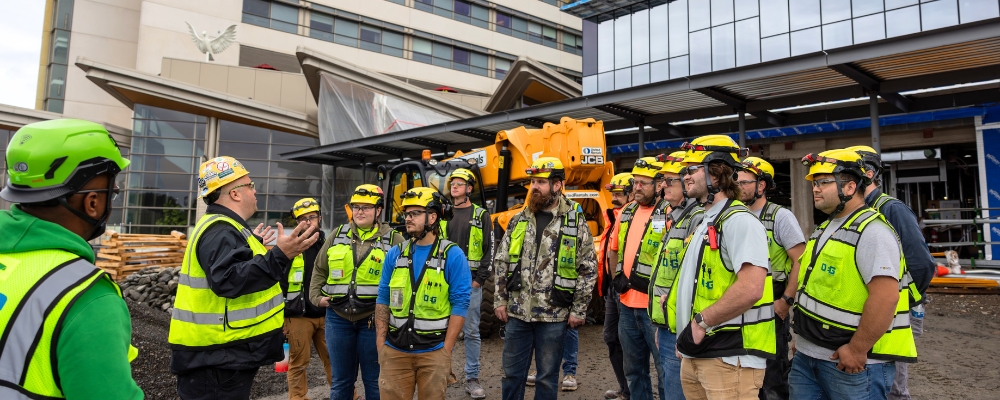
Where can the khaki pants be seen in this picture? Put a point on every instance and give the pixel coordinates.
(301, 332)
(712, 379)
(400, 371)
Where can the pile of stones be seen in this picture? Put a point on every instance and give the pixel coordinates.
(152, 286)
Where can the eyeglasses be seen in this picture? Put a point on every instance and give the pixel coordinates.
(251, 185)
(307, 219)
(414, 213)
(637, 182)
(740, 152)
(114, 192)
(692, 169)
(822, 182)
(361, 208)
(459, 184)
(670, 181)
(744, 183)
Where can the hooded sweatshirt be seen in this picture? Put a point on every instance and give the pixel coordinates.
(93, 343)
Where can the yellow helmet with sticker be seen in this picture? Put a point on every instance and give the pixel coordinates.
(646, 166)
(367, 194)
(710, 148)
(621, 183)
(305, 206)
(673, 163)
(218, 172)
(547, 167)
(834, 162)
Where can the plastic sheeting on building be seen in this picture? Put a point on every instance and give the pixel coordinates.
(348, 111)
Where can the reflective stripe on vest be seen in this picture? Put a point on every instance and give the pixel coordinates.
(202, 319)
(832, 293)
(419, 316)
(649, 249)
(667, 265)
(753, 332)
(915, 296)
(40, 287)
(781, 264)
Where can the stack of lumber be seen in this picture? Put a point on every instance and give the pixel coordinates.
(122, 254)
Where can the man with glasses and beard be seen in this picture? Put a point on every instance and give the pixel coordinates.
(685, 215)
(635, 245)
(723, 291)
(545, 278)
(345, 282)
(785, 245)
(423, 298)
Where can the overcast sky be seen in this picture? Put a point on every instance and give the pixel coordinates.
(21, 30)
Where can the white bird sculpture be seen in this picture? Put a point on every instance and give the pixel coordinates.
(210, 45)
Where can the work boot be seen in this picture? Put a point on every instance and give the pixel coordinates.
(474, 389)
(611, 394)
(531, 379)
(569, 383)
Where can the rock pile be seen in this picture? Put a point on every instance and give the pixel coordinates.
(152, 286)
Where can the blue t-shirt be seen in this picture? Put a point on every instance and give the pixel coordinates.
(456, 273)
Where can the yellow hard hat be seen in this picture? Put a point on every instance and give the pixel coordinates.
(465, 174)
(869, 157)
(759, 167)
(672, 163)
(367, 194)
(305, 206)
(546, 167)
(218, 172)
(834, 162)
(711, 148)
(621, 183)
(428, 198)
(646, 166)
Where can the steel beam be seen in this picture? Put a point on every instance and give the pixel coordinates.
(737, 102)
(873, 84)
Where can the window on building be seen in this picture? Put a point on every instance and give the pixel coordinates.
(501, 67)
(458, 10)
(504, 23)
(278, 16)
(572, 43)
(355, 34)
(450, 56)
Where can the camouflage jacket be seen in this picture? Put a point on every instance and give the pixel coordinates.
(538, 269)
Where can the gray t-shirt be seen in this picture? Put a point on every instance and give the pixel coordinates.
(877, 255)
(745, 242)
(787, 232)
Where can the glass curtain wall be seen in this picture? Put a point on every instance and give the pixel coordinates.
(55, 90)
(691, 37)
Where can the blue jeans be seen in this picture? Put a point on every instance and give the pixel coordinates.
(473, 343)
(813, 379)
(544, 340)
(351, 345)
(570, 349)
(670, 380)
(638, 337)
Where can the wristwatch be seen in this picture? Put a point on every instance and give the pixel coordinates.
(701, 321)
(788, 299)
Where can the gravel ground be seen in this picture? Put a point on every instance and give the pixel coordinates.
(959, 357)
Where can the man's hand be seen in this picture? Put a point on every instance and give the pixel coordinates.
(501, 313)
(697, 333)
(324, 302)
(575, 322)
(781, 308)
(302, 238)
(476, 285)
(284, 328)
(851, 360)
(265, 232)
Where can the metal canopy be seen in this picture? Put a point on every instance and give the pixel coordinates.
(960, 54)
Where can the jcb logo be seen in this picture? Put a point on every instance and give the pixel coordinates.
(592, 160)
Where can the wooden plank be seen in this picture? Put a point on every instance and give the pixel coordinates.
(108, 256)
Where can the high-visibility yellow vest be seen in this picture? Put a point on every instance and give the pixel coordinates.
(419, 317)
(781, 264)
(202, 319)
(649, 249)
(295, 273)
(39, 288)
(566, 274)
(476, 237)
(353, 288)
(915, 296)
(751, 333)
(832, 293)
(667, 265)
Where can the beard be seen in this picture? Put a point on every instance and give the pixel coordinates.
(645, 199)
(747, 198)
(540, 201)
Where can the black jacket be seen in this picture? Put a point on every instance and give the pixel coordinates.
(232, 271)
(309, 258)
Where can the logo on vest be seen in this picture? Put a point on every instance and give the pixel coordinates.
(3, 300)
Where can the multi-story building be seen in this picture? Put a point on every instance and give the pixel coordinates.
(133, 63)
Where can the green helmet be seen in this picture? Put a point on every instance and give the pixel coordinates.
(51, 159)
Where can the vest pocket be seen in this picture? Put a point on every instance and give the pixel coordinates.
(562, 298)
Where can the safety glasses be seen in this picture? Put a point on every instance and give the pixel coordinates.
(414, 213)
(251, 185)
(692, 169)
(114, 192)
